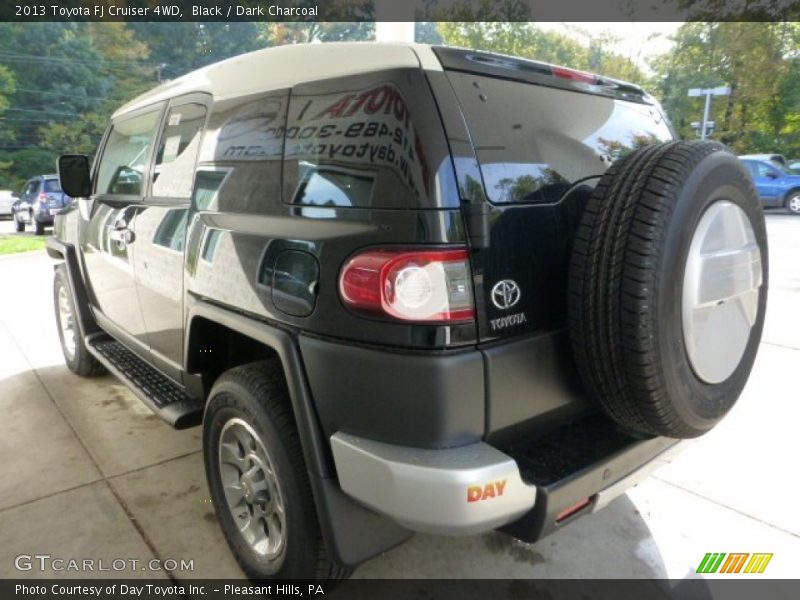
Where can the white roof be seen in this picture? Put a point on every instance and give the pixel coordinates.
(286, 66)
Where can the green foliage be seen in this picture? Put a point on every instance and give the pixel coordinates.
(16, 167)
(13, 244)
(578, 50)
(761, 64)
(278, 34)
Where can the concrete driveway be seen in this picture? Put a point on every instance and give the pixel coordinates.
(88, 472)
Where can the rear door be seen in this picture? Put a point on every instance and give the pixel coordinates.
(160, 230)
(768, 182)
(107, 240)
(539, 152)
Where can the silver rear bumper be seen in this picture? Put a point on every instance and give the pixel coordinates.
(455, 491)
(477, 488)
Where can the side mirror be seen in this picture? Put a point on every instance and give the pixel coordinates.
(73, 171)
(15, 195)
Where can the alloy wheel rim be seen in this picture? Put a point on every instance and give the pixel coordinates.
(794, 203)
(721, 286)
(66, 322)
(252, 491)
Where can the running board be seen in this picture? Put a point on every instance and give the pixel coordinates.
(163, 396)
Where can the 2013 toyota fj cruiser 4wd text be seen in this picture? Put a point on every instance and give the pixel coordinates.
(409, 288)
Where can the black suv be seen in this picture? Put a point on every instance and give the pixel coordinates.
(39, 202)
(409, 288)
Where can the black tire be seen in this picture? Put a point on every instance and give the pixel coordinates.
(80, 361)
(793, 202)
(626, 286)
(256, 394)
(19, 226)
(38, 228)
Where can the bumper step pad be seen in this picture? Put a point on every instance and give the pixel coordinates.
(158, 392)
(585, 465)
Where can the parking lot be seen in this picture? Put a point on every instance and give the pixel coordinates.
(89, 472)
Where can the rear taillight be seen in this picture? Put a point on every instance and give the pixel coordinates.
(427, 286)
(42, 198)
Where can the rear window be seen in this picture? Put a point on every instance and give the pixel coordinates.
(52, 186)
(534, 142)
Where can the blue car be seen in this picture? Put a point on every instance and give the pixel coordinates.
(777, 185)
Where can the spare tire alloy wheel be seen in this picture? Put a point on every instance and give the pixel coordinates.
(668, 288)
(720, 291)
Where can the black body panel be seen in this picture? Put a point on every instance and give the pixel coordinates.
(422, 400)
(532, 386)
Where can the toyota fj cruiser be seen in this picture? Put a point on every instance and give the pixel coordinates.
(409, 288)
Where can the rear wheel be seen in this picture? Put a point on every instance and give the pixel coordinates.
(19, 226)
(793, 202)
(668, 287)
(258, 480)
(38, 228)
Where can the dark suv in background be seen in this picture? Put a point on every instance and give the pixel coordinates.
(39, 202)
(409, 288)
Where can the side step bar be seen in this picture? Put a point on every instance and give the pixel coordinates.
(163, 396)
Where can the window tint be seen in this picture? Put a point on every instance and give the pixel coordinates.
(177, 152)
(533, 142)
(171, 232)
(373, 140)
(125, 155)
(206, 186)
(52, 186)
(244, 136)
(333, 187)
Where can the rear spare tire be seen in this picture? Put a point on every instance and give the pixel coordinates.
(668, 288)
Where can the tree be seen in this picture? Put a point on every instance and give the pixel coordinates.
(759, 61)
(278, 34)
(177, 48)
(580, 50)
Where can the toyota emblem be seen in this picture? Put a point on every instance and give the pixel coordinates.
(505, 294)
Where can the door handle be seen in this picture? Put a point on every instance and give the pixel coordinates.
(122, 236)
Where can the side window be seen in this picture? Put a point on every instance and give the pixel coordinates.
(765, 170)
(125, 156)
(29, 189)
(173, 175)
(171, 233)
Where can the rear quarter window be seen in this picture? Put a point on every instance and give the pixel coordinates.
(367, 141)
(534, 142)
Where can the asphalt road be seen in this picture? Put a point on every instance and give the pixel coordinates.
(89, 472)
